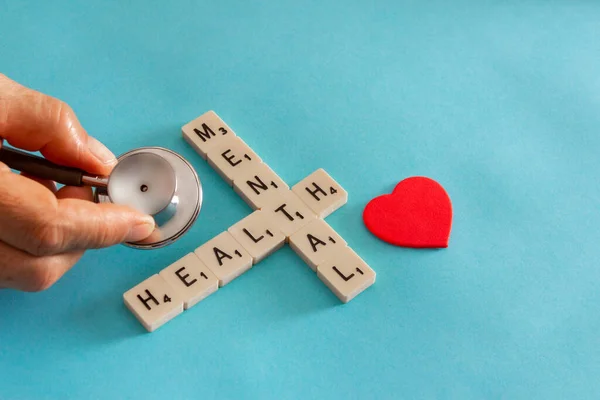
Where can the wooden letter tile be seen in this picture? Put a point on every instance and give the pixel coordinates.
(192, 280)
(225, 257)
(205, 132)
(289, 213)
(231, 157)
(258, 234)
(153, 302)
(316, 242)
(321, 193)
(258, 185)
(346, 274)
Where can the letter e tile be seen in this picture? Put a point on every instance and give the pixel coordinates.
(232, 157)
(192, 280)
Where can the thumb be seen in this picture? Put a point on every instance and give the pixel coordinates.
(80, 224)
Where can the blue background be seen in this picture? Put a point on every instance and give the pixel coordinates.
(498, 101)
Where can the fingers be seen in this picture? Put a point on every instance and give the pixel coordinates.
(51, 186)
(22, 271)
(34, 121)
(81, 224)
(74, 192)
(34, 220)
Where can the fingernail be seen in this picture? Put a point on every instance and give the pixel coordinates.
(141, 230)
(101, 152)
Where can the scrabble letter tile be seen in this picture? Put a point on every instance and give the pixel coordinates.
(258, 234)
(321, 193)
(230, 157)
(346, 274)
(258, 184)
(289, 213)
(192, 280)
(316, 242)
(205, 132)
(225, 257)
(153, 302)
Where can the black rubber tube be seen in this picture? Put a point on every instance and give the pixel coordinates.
(40, 167)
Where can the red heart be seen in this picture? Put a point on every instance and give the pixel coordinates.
(418, 213)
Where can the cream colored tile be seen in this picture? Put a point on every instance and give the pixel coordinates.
(205, 132)
(346, 274)
(258, 234)
(289, 213)
(321, 193)
(316, 242)
(153, 302)
(231, 157)
(225, 257)
(192, 280)
(258, 184)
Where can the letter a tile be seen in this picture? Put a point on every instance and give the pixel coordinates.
(316, 242)
(192, 280)
(205, 132)
(225, 257)
(154, 302)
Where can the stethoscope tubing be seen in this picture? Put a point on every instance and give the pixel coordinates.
(41, 168)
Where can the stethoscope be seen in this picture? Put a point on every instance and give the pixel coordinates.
(152, 180)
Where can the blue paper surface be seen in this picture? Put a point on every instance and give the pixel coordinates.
(497, 101)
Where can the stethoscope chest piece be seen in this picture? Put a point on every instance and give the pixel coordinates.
(158, 182)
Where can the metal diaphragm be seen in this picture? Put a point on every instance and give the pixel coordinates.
(158, 182)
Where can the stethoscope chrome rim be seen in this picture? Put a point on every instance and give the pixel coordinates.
(101, 196)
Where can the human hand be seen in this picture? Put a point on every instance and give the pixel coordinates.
(44, 232)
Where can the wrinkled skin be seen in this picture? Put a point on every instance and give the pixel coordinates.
(44, 232)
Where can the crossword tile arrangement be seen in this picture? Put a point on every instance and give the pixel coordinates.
(280, 216)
